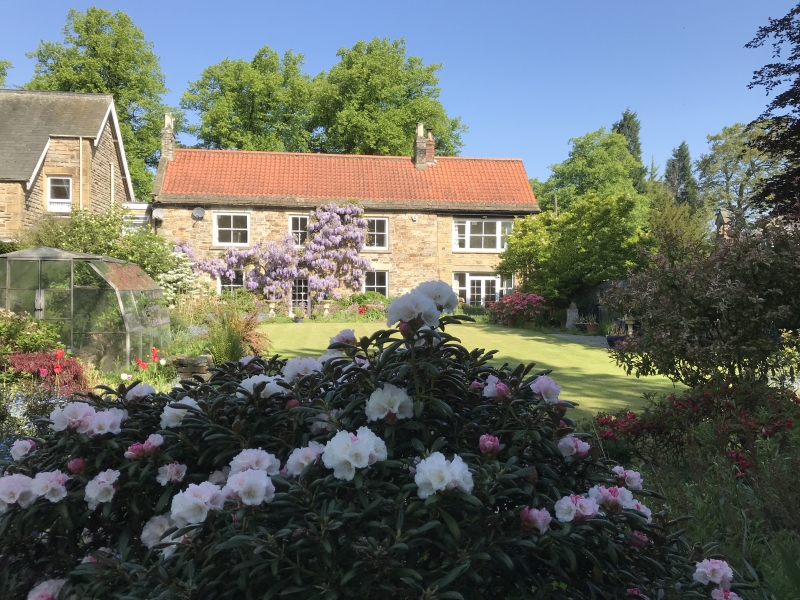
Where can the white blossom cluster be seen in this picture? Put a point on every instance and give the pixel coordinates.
(389, 400)
(153, 534)
(21, 447)
(256, 459)
(47, 590)
(411, 306)
(23, 490)
(139, 391)
(300, 458)
(191, 506)
(271, 387)
(346, 452)
(172, 416)
(83, 418)
(171, 473)
(101, 488)
(301, 367)
(437, 474)
(610, 499)
(322, 424)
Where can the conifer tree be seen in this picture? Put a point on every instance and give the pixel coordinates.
(629, 126)
(679, 178)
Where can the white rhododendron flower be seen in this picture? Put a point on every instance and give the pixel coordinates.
(270, 388)
(139, 391)
(389, 400)
(613, 499)
(50, 485)
(155, 528)
(106, 421)
(547, 389)
(21, 447)
(101, 488)
(171, 473)
(300, 458)
(570, 445)
(576, 508)
(256, 459)
(346, 452)
(172, 416)
(75, 415)
(345, 336)
(441, 293)
(630, 479)
(251, 487)
(16, 489)
(410, 306)
(436, 474)
(47, 590)
(190, 506)
(712, 570)
(322, 424)
(219, 477)
(636, 505)
(494, 388)
(301, 367)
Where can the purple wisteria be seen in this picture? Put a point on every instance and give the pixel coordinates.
(329, 260)
(330, 256)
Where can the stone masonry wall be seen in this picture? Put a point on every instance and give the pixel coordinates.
(419, 250)
(11, 196)
(104, 155)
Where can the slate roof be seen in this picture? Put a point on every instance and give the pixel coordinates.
(285, 179)
(29, 118)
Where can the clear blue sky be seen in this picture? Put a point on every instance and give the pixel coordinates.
(524, 76)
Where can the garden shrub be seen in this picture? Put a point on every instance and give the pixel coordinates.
(362, 299)
(22, 333)
(51, 370)
(398, 466)
(716, 317)
(517, 309)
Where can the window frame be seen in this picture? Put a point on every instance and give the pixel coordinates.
(230, 287)
(375, 272)
(307, 295)
(503, 227)
(385, 233)
(51, 178)
(292, 231)
(217, 242)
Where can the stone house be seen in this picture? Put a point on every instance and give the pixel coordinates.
(58, 151)
(429, 217)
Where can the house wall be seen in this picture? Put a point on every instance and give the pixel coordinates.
(419, 250)
(11, 198)
(104, 155)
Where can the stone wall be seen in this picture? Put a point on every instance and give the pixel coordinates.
(104, 155)
(420, 249)
(11, 196)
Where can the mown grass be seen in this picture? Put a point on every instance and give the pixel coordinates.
(586, 374)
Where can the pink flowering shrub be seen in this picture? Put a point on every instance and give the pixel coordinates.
(517, 308)
(391, 467)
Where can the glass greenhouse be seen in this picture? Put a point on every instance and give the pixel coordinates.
(107, 311)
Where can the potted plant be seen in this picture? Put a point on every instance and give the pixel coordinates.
(299, 313)
(587, 323)
(615, 334)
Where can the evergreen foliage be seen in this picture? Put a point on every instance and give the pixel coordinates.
(680, 179)
(5, 65)
(629, 126)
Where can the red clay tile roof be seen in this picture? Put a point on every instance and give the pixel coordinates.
(258, 177)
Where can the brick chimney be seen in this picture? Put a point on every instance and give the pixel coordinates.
(168, 138)
(430, 148)
(420, 148)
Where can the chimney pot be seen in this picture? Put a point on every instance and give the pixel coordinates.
(168, 138)
(420, 129)
(430, 148)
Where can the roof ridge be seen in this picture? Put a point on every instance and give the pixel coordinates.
(55, 93)
(333, 155)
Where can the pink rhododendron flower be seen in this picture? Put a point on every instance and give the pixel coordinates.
(292, 403)
(535, 518)
(171, 473)
(712, 570)
(302, 457)
(77, 465)
(638, 539)
(570, 445)
(723, 594)
(21, 447)
(477, 385)
(152, 444)
(613, 499)
(47, 590)
(636, 505)
(630, 479)
(489, 445)
(636, 592)
(50, 485)
(576, 508)
(134, 451)
(494, 388)
(546, 388)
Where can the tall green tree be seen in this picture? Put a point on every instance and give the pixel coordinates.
(370, 101)
(734, 169)
(599, 163)
(264, 104)
(5, 65)
(680, 179)
(630, 126)
(670, 221)
(780, 121)
(106, 53)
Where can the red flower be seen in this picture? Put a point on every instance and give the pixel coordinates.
(57, 369)
(154, 354)
(141, 364)
(59, 354)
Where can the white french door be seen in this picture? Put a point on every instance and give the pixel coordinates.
(480, 289)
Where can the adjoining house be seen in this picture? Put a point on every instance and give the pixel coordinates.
(430, 217)
(59, 151)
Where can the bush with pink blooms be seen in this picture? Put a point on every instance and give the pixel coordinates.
(517, 309)
(400, 466)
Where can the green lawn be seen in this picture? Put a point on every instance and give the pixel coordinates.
(586, 374)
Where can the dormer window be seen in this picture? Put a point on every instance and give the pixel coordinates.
(59, 194)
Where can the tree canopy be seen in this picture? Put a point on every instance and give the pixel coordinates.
(264, 104)
(680, 179)
(104, 52)
(780, 121)
(5, 65)
(629, 126)
(734, 169)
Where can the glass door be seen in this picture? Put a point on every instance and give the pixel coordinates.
(482, 289)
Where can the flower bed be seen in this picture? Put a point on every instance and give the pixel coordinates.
(388, 467)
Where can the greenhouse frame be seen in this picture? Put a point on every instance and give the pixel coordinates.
(106, 310)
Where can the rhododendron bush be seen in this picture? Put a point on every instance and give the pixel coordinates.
(399, 466)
